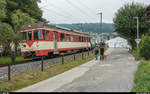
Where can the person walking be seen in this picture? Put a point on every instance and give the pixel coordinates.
(96, 52)
(102, 52)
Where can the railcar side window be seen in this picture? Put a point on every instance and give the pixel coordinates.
(62, 37)
(41, 34)
(29, 35)
(24, 36)
(82, 39)
(36, 35)
(79, 39)
(68, 37)
(72, 38)
(47, 35)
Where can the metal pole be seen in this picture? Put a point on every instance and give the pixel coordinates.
(74, 57)
(137, 31)
(101, 26)
(9, 72)
(82, 55)
(137, 26)
(82, 27)
(62, 59)
(42, 64)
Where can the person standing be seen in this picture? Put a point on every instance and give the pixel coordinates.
(96, 52)
(102, 52)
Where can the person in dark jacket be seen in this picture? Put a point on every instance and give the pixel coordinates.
(102, 53)
(96, 52)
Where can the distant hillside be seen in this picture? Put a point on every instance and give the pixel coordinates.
(90, 27)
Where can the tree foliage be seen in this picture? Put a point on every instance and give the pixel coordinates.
(144, 47)
(14, 14)
(125, 24)
(2, 9)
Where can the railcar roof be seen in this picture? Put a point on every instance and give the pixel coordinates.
(42, 25)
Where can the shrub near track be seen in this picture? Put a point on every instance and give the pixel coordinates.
(142, 78)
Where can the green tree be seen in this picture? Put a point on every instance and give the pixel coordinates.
(2, 9)
(125, 24)
(18, 18)
(6, 37)
(14, 14)
(144, 47)
(26, 6)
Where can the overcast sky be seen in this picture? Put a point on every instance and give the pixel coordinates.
(82, 11)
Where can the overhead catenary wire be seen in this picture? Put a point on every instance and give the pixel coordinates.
(51, 18)
(67, 16)
(76, 7)
(85, 20)
(59, 14)
(86, 7)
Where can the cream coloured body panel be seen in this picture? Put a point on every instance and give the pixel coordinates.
(45, 45)
(41, 45)
(72, 44)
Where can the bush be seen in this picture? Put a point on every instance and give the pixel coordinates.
(142, 78)
(144, 48)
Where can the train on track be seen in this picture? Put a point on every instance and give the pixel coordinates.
(47, 40)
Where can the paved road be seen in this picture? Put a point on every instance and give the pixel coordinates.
(115, 74)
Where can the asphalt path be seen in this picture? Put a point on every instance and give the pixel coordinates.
(115, 74)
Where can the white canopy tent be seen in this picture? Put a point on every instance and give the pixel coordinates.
(118, 42)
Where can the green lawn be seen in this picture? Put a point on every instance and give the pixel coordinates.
(142, 77)
(6, 60)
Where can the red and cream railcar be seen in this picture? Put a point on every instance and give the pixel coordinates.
(42, 41)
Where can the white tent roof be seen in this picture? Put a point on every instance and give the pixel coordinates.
(118, 42)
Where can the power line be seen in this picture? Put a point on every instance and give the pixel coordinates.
(58, 14)
(82, 4)
(76, 7)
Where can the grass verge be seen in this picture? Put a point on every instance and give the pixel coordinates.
(142, 78)
(135, 54)
(6, 60)
(25, 79)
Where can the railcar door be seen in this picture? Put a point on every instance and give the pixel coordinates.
(55, 42)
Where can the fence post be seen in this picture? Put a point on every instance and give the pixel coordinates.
(74, 57)
(82, 55)
(92, 51)
(9, 72)
(42, 64)
(62, 59)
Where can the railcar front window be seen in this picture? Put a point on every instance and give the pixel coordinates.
(29, 36)
(39, 35)
(36, 35)
(47, 35)
(24, 36)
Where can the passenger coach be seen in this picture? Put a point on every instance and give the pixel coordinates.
(42, 40)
